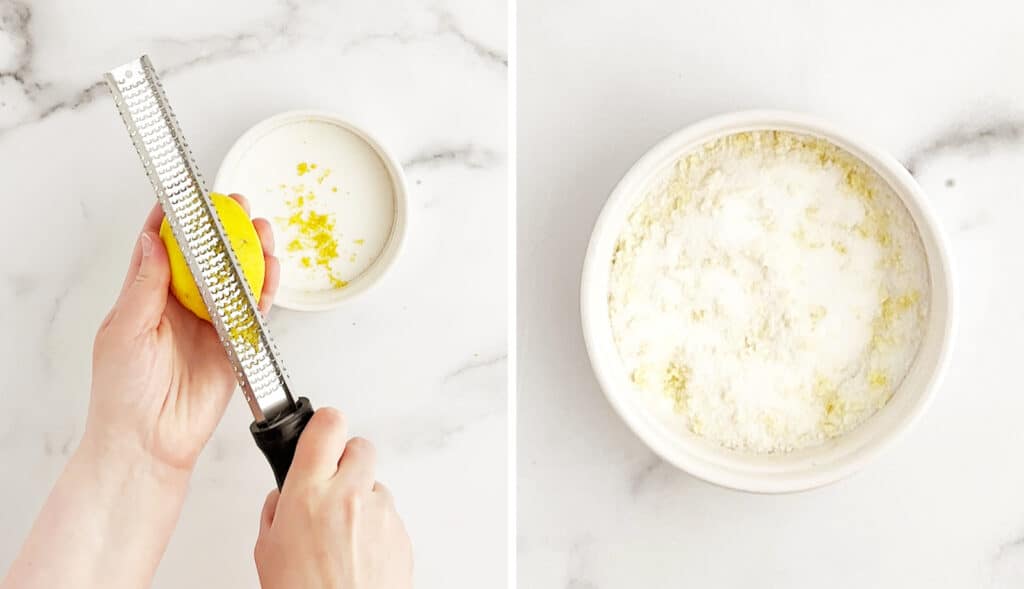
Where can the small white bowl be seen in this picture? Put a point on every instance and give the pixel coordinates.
(365, 189)
(764, 473)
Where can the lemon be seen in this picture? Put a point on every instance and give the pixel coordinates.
(244, 240)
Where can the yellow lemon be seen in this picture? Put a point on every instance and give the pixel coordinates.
(244, 240)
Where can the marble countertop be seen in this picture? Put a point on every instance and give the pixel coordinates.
(939, 85)
(419, 365)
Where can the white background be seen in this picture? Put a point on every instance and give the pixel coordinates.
(418, 364)
(938, 84)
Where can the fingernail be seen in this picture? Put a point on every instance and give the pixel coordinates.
(147, 245)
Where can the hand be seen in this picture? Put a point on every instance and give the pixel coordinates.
(161, 379)
(160, 383)
(332, 526)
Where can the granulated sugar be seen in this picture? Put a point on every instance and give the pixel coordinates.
(773, 288)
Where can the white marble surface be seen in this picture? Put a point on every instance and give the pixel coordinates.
(939, 85)
(419, 365)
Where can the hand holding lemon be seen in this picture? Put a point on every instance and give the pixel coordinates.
(245, 241)
(161, 379)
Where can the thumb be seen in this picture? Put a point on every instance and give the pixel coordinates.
(142, 303)
(269, 509)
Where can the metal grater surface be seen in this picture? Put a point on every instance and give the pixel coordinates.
(140, 99)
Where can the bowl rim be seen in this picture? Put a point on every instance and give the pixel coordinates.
(593, 313)
(395, 243)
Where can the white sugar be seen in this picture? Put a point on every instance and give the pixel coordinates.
(772, 288)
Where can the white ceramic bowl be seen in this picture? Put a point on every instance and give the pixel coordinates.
(262, 164)
(661, 430)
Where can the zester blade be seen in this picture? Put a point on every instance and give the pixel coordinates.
(154, 130)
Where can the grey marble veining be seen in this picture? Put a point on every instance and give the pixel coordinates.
(967, 139)
(281, 29)
(471, 156)
(445, 24)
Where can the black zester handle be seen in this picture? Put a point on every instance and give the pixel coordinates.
(278, 439)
